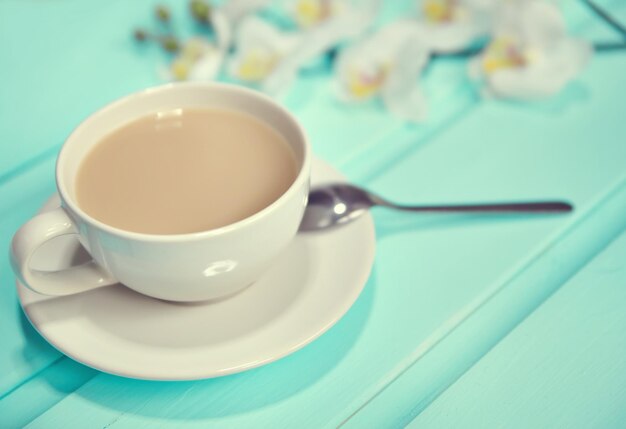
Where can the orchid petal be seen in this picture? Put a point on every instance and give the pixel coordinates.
(254, 31)
(535, 22)
(207, 67)
(223, 29)
(401, 94)
(234, 10)
(462, 22)
(260, 48)
(449, 37)
(544, 79)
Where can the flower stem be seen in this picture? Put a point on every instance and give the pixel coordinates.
(606, 17)
(609, 46)
(474, 50)
(462, 53)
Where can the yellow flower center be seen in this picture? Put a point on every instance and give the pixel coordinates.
(439, 10)
(180, 68)
(365, 84)
(256, 65)
(503, 53)
(192, 51)
(311, 12)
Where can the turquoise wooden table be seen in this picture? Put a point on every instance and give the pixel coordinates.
(464, 322)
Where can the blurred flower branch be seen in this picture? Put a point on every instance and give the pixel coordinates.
(515, 48)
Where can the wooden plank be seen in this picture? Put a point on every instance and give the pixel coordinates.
(538, 136)
(37, 395)
(421, 296)
(63, 61)
(23, 352)
(565, 366)
(438, 362)
(429, 270)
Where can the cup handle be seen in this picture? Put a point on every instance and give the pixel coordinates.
(31, 236)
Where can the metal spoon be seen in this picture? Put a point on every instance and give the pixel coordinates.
(340, 203)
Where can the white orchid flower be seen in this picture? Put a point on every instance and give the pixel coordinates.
(309, 13)
(226, 17)
(200, 59)
(386, 65)
(259, 49)
(319, 39)
(450, 25)
(530, 55)
(197, 60)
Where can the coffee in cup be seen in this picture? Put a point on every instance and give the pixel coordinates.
(183, 171)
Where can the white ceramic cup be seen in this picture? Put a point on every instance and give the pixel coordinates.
(185, 267)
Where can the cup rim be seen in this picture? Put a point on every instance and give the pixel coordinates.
(303, 173)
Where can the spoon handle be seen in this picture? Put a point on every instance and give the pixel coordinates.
(521, 207)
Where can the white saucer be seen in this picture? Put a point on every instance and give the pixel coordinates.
(121, 332)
